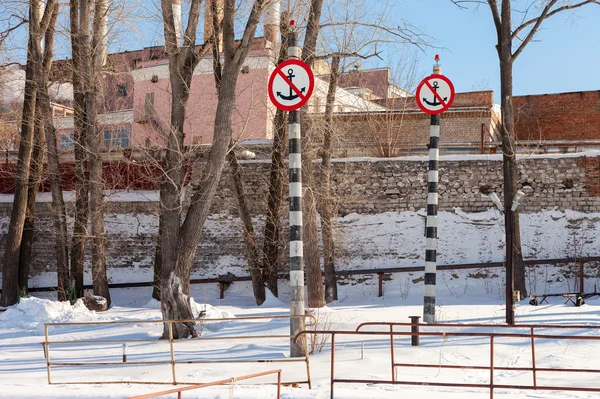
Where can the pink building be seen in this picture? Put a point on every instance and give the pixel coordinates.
(152, 101)
(135, 100)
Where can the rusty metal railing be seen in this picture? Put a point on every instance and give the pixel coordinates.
(231, 380)
(531, 335)
(173, 362)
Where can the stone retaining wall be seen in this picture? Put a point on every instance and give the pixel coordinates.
(369, 186)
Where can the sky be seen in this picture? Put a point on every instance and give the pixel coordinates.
(566, 49)
(562, 59)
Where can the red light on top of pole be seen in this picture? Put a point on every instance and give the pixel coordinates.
(437, 58)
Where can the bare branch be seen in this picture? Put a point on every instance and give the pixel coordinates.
(171, 44)
(4, 35)
(406, 33)
(349, 54)
(496, 15)
(189, 37)
(12, 63)
(249, 31)
(533, 30)
(551, 13)
(48, 15)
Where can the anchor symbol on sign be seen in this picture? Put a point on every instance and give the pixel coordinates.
(435, 102)
(292, 96)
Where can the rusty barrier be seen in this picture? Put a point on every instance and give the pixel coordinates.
(231, 380)
(530, 335)
(381, 272)
(171, 341)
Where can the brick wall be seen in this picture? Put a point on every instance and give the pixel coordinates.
(564, 116)
(392, 134)
(405, 128)
(592, 170)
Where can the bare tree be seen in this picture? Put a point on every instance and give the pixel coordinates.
(520, 34)
(272, 235)
(180, 240)
(252, 255)
(97, 52)
(39, 21)
(80, 23)
(42, 119)
(327, 206)
(348, 36)
(314, 277)
(87, 43)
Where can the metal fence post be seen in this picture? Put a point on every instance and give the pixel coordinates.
(414, 328)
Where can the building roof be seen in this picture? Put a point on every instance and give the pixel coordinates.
(376, 80)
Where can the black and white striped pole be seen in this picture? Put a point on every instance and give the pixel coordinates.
(297, 349)
(434, 95)
(290, 87)
(432, 222)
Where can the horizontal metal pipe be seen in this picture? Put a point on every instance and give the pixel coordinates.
(458, 385)
(180, 321)
(159, 382)
(104, 341)
(439, 384)
(119, 364)
(208, 384)
(455, 366)
(447, 334)
(124, 382)
(453, 325)
(287, 360)
(409, 269)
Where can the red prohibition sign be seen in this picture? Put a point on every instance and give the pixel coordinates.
(291, 84)
(435, 94)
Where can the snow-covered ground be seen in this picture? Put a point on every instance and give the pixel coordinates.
(464, 296)
(23, 371)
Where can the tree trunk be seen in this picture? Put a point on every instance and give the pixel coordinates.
(12, 249)
(510, 166)
(177, 305)
(172, 303)
(99, 277)
(200, 205)
(272, 241)
(256, 272)
(157, 261)
(59, 211)
(179, 244)
(312, 264)
(327, 207)
(35, 175)
(97, 52)
(80, 22)
(174, 284)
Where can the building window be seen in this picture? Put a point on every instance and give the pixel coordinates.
(149, 106)
(122, 89)
(116, 138)
(67, 141)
